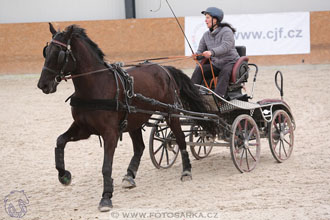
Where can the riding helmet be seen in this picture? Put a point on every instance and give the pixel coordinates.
(214, 12)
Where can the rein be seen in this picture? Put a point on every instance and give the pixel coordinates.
(146, 61)
(66, 77)
(214, 79)
(60, 75)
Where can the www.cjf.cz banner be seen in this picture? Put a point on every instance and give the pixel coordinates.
(262, 34)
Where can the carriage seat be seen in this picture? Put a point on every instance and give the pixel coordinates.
(240, 71)
(239, 75)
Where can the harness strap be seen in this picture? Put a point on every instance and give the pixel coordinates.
(128, 92)
(49, 70)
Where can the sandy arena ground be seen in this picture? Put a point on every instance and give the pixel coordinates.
(30, 122)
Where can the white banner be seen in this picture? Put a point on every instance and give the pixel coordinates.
(262, 34)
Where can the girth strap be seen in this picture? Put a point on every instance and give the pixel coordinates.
(98, 104)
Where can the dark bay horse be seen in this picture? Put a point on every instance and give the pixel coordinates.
(72, 52)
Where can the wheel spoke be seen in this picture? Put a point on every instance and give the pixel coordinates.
(252, 155)
(167, 158)
(241, 160)
(237, 150)
(275, 144)
(162, 131)
(161, 157)
(279, 118)
(247, 160)
(159, 129)
(175, 150)
(166, 133)
(238, 135)
(276, 127)
(162, 145)
(287, 142)
(285, 120)
(199, 150)
(251, 132)
(204, 150)
(159, 139)
(276, 134)
(245, 126)
(286, 155)
(239, 127)
(286, 131)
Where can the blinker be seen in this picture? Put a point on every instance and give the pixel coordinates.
(44, 50)
(61, 57)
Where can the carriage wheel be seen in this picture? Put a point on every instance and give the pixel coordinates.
(245, 143)
(281, 136)
(163, 149)
(198, 135)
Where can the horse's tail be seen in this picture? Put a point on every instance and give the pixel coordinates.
(191, 98)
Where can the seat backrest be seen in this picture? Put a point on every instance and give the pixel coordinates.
(241, 50)
(240, 71)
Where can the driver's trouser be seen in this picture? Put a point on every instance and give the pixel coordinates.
(223, 76)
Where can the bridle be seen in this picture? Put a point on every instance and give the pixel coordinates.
(62, 60)
(64, 56)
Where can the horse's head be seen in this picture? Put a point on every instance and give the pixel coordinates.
(59, 59)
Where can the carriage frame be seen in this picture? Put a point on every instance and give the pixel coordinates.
(242, 124)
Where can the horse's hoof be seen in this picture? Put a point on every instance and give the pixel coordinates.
(186, 176)
(65, 179)
(105, 205)
(128, 182)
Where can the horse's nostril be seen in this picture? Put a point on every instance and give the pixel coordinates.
(41, 85)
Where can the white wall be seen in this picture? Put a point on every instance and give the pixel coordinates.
(21, 11)
(194, 7)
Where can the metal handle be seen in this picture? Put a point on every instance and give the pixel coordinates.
(280, 88)
(254, 78)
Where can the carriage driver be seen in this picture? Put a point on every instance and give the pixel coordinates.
(217, 43)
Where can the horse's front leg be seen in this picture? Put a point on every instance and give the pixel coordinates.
(138, 145)
(74, 133)
(110, 142)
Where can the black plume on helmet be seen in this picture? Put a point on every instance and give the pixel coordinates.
(214, 12)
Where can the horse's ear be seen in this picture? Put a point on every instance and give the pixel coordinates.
(68, 33)
(52, 29)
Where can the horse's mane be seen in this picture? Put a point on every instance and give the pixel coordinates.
(81, 33)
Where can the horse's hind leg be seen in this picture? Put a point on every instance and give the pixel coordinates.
(138, 145)
(174, 124)
(74, 133)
